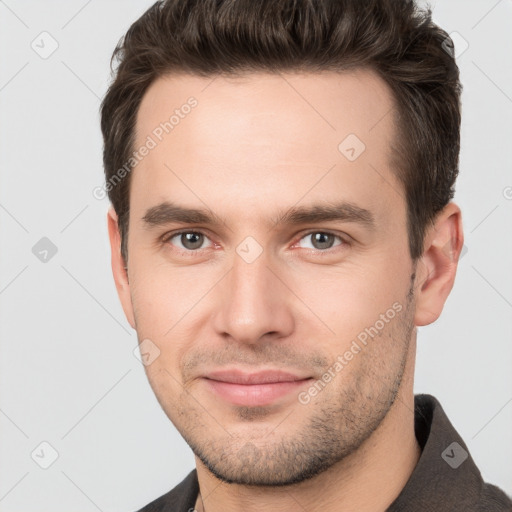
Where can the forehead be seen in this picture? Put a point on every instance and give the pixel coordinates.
(358, 101)
(266, 136)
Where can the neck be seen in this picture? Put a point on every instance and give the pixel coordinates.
(368, 480)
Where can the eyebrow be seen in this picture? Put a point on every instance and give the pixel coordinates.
(167, 213)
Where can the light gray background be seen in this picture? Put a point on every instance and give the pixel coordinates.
(68, 375)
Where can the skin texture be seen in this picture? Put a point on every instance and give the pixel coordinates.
(253, 148)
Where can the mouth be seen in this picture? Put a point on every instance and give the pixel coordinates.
(254, 389)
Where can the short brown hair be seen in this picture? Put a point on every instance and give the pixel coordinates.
(228, 37)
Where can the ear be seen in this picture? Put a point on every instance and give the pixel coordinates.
(437, 266)
(118, 266)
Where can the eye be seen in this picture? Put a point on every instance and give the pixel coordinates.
(322, 240)
(193, 241)
(190, 241)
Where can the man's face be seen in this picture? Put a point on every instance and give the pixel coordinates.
(265, 288)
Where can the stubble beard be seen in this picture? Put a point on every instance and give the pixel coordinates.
(337, 425)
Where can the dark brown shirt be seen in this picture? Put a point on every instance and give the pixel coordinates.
(445, 479)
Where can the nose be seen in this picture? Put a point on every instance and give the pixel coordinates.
(253, 303)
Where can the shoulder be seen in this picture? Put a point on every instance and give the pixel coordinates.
(180, 498)
(493, 499)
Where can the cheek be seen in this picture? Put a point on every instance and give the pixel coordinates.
(166, 307)
(343, 302)
(162, 296)
(166, 386)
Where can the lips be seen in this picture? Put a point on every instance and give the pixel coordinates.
(261, 377)
(253, 389)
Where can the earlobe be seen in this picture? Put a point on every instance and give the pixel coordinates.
(119, 269)
(438, 265)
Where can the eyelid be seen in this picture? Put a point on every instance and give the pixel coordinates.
(168, 236)
(345, 241)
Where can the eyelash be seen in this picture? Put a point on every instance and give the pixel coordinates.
(344, 242)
